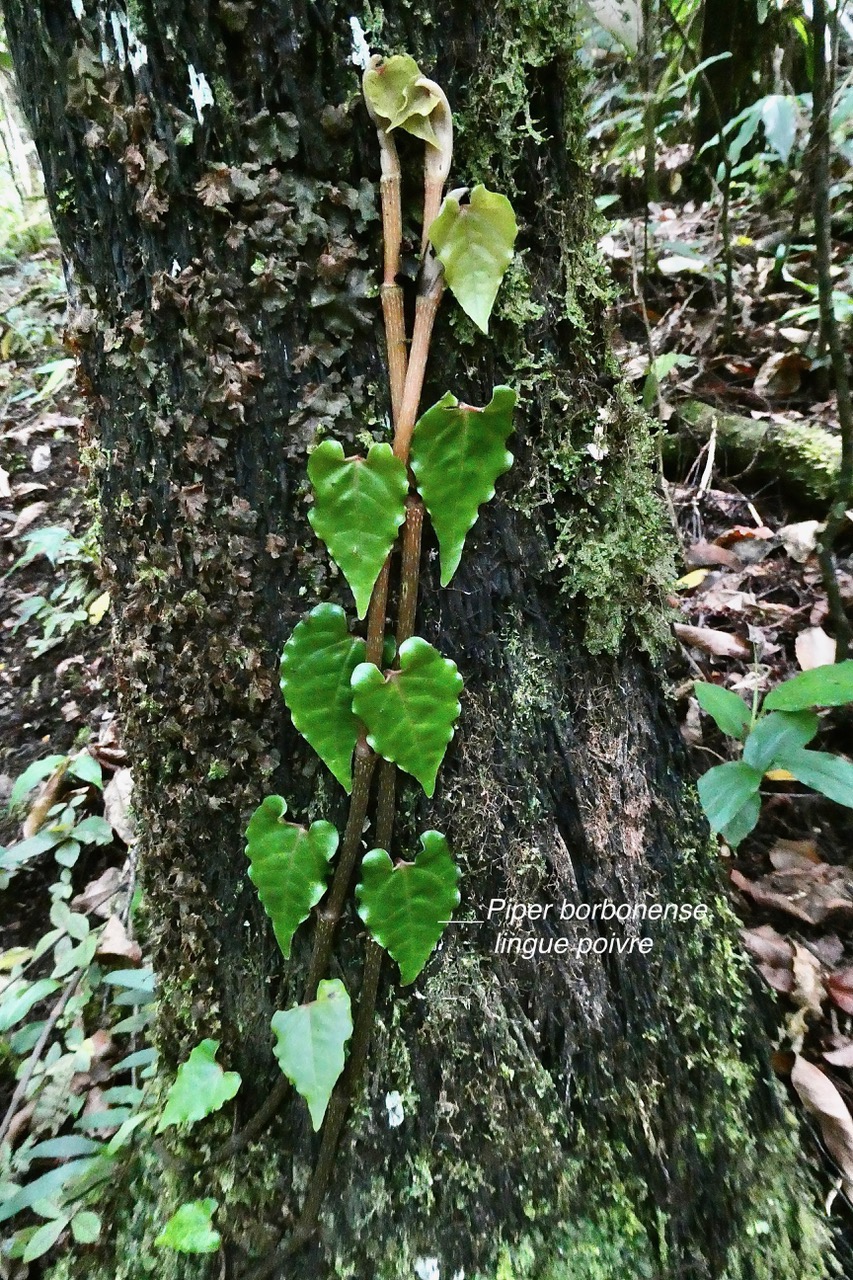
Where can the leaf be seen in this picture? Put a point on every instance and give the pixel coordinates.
(410, 713)
(87, 769)
(744, 821)
(828, 774)
(819, 1096)
(728, 710)
(359, 505)
(829, 686)
(45, 1238)
(458, 452)
(201, 1087)
(779, 117)
(86, 1227)
(316, 665)
(400, 95)
(93, 830)
(474, 243)
(722, 644)
(310, 1042)
(407, 907)
(189, 1230)
(289, 866)
(725, 789)
(776, 733)
(15, 1006)
(814, 648)
(32, 776)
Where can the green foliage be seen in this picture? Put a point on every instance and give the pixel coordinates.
(407, 907)
(190, 1229)
(401, 97)
(310, 1043)
(458, 452)
(474, 243)
(410, 713)
(829, 686)
(359, 505)
(775, 739)
(201, 1087)
(289, 866)
(316, 665)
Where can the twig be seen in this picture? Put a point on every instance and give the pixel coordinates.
(426, 307)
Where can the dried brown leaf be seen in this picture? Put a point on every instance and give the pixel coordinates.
(721, 644)
(819, 1096)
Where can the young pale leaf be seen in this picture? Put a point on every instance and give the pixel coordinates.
(458, 452)
(310, 1043)
(86, 1227)
(474, 243)
(829, 686)
(359, 504)
(316, 665)
(189, 1230)
(777, 733)
(201, 1087)
(45, 1238)
(410, 713)
(725, 789)
(401, 97)
(743, 822)
(729, 711)
(407, 907)
(289, 866)
(828, 774)
(32, 776)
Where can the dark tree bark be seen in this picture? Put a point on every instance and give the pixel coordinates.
(568, 1118)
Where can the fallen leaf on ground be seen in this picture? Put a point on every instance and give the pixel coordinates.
(787, 854)
(114, 944)
(117, 795)
(819, 1096)
(814, 648)
(721, 644)
(781, 374)
(774, 956)
(840, 986)
(703, 552)
(800, 540)
(808, 893)
(809, 991)
(840, 1057)
(98, 894)
(26, 518)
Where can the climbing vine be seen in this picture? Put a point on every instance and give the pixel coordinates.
(374, 704)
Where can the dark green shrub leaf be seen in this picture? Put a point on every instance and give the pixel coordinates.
(359, 505)
(743, 822)
(190, 1230)
(407, 907)
(401, 96)
(458, 452)
(310, 1042)
(474, 243)
(725, 789)
(829, 686)
(289, 866)
(778, 732)
(201, 1087)
(828, 774)
(729, 711)
(316, 665)
(410, 713)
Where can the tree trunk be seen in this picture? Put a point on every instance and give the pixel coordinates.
(563, 1117)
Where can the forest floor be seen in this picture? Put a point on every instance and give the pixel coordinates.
(749, 610)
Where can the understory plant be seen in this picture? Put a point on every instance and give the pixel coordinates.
(775, 736)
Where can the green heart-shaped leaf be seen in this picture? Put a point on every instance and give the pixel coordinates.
(458, 452)
(359, 505)
(316, 665)
(401, 96)
(407, 907)
(474, 245)
(410, 713)
(289, 866)
(310, 1042)
(201, 1087)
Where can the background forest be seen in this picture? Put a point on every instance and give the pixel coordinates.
(722, 155)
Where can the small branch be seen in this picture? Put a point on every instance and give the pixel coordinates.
(40, 1046)
(437, 160)
(836, 518)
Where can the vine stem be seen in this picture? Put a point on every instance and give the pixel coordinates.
(426, 309)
